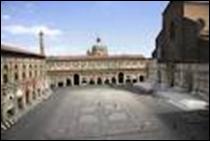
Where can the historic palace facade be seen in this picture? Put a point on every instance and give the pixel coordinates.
(97, 67)
(23, 82)
(28, 78)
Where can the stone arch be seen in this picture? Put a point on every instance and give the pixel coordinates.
(134, 80)
(141, 78)
(76, 79)
(128, 80)
(99, 81)
(68, 82)
(106, 81)
(92, 82)
(60, 84)
(84, 80)
(113, 80)
(52, 85)
(121, 77)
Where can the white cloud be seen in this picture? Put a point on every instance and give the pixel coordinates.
(31, 30)
(6, 17)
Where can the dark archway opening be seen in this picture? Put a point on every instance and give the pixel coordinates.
(11, 112)
(60, 84)
(68, 82)
(141, 78)
(128, 81)
(106, 81)
(113, 80)
(91, 82)
(99, 81)
(134, 80)
(76, 79)
(52, 86)
(120, 77)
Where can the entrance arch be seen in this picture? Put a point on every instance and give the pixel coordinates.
(120, 77)
(113, 80)
(99, 81)
(134, 80)
(141, 78)
(68, 82)
(60, 84)
(106, 81)
(91, 82)
(76, 79)
(128, 80)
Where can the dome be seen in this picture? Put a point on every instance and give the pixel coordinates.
(98, 49)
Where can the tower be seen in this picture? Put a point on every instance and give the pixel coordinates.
(41, 43)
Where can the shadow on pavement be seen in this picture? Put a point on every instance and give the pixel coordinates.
(193, 125)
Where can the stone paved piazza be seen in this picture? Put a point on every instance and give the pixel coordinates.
(99, 112)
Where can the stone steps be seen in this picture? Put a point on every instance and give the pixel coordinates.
(7, 124)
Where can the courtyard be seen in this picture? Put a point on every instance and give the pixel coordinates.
(105, 112)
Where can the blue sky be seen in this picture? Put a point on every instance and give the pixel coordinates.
(72, 27)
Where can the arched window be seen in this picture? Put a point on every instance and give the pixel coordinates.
(30, 71)
(16, 76)
(5, 78)
(16, 67)
(5, 68)
(16, 73)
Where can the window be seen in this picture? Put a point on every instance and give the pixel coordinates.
(30, 74)
(11, 112)
(24, 75)
(24, 67)
(5, 67)
(4, 94)
(35, 73)
(16, 67)
(16, 76)
(5, 78)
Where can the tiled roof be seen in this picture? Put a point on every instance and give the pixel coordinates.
(17, 50)
(83, 57)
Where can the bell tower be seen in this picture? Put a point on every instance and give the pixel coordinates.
(41, 43)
